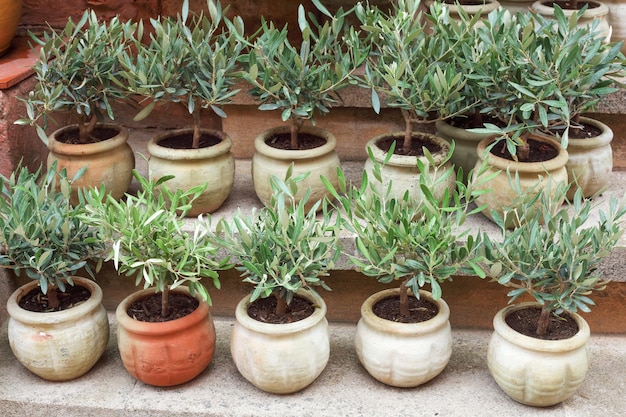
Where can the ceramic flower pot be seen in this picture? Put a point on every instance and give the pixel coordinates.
(533, 371)
(191, 167)
(268, 161)
(60, 345)
(401, 170)
(617, 20)
(281, 358)
(403, 354)
(109, 162)
(168, 353)
(532, 175)
(596, 11)
(472, 8)
(10, 15)
(590, 160)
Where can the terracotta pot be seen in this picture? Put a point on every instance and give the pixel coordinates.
(109, 162)
(596, 11)
(191, 167)
(466, 142)
(61, 345)
(168, 353)
(533, 371)
(590, 161)
(10, 15)
(403, 354)
(281, 358)
(401, 170)
(268, 161)
(531, 175)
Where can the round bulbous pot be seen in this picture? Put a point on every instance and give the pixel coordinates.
(167, 353)
(401, 171)
(590, 161)
(268, 161)
(59, 345)
(532, 175)
(281, 358)
(596, 11)
(403, 354)
(533, 371)
(213, 164)
(10, 15)
(109, 162)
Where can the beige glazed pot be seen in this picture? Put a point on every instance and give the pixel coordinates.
(61, 345)
(401, 170)
(596, 11)
(168, 353)
(403, 354)
(281, 358)
(269, 161)
(109, 162)
(214, 165)
(533, 371)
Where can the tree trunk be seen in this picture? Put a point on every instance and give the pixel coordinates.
(296, 124)
(281, 305)
(408, 132)
(544, 320)
(86, 128)
(196, 130)
(53, 299)
(165, 301)
(404, 300)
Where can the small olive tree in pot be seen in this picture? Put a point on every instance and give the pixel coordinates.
(43, 236)
(553, 256)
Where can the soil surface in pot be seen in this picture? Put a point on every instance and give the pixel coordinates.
(99, 134)
(567, 5)
(582, 131)
(417, 145)
(465, 2)
(264, 310)
(305, 142)
(539, 151)
(525, 322)
(36, 301)
(419, 310)
(184, 141)
(149, 308)
(473, 121)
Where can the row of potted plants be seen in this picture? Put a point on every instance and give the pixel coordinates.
(430, 66)
(286, 250)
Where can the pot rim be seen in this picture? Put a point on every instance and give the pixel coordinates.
(263, 148)
(54, 317)
(404, 160)
(600, 10)
(213, 151)
(155, 329)
(380, 324)
(525, 167)
(575, 342)
(319, 314)
(447, 129)
(82, 149)
(603, 139)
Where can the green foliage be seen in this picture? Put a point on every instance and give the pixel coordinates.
(554, 253)
(300, 81)
(42, 234)
(282, 248)
(416, 241)
(147, 237)
(191, 59)
(77, 71)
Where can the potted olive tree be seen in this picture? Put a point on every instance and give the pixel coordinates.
(77, 73)
(300, 81)
(168, 322)
(58, 328)
(403, 337)
(416, 65)
(192, 60)
(285, 251)
(538, 352)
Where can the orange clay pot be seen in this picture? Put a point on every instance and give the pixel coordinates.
(168, 353)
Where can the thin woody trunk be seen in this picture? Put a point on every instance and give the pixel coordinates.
(408, 132)
(53, 299)
(296, 124)
(544, 320)
(196, 130)
(165, 301)
(404, 300)
(86, 128)
(281, 306)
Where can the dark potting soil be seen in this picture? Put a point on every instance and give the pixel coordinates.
(584, 131)
(539, 151)
(264, 310)
(36, 301)
(469, 122)
(99, 134)
(185, 140)
(568, 5)
(525, 322)
(305, 141)
(416, 146)
(419, 310)
(148, 309)
(465, 2)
